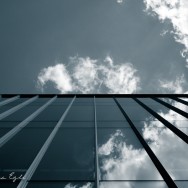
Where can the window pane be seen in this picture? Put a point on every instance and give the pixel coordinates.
(69, 157)
(40, 124)
(109, 113)
(60, 185)
(154, 105)
(73, 124)
(134, 184)
(51, 113)
(22, 113)
(114, 124)
(9, 184)
(138, 113)
(104, 101)
(127, 102)
(3, 131)
(169, 148)
(182, 184)
(11, 105)
(122, 157)
(163, 111)
(18, 153)
(84, 101)
(80, 113)
(7, 124)
(62, 101)
(40, 101)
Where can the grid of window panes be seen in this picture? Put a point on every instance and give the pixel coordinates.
(92, 141)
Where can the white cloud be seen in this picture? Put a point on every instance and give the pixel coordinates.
(120, 1)
(86, 75)
(175, 11)
(176, 86)
(58, 75)
(124, 162)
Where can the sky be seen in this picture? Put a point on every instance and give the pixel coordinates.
(93, 46)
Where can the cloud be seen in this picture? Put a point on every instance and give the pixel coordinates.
(58, 75)
(120, 1)
(121, 161)
(175, 11)
(86, 75)
(176, 86)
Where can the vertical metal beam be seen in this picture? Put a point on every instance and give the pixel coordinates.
(181, 112)
(174, 129)
(15, 108)
(153, 157)
(9, 100)
(96, 148)
(21, 125)
(23, 183)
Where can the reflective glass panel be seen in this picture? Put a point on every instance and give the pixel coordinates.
(19, 152)
(80, 113)
(62, 101)
(81, 124)
(51, 113)
(60, 185)
(109, 113)
(134, 184)
(3, 131)
(11, 105)
(69, 157)
(22, 113)
(169, 148)
(122, 157)
(9, 184)
(113, 124)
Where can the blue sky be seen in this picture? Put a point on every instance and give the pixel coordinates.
(101, 46)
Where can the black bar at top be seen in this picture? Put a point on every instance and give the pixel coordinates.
(96, 95)
(155, 160)
(181, 112)
(175, 130)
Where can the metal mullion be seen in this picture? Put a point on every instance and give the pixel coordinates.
(174, 129)
(153, 157)
(9, 100)
(181, 112)
(179, 100)
(23, 183)
(21, 125)
(16, 108)
(96, 148)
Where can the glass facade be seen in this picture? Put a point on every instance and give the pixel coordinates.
(93, 141)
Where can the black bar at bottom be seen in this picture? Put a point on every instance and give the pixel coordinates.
(155, 160)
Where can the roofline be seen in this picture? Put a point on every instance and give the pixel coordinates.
(92, 95)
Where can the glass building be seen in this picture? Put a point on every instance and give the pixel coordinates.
(92, 141)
